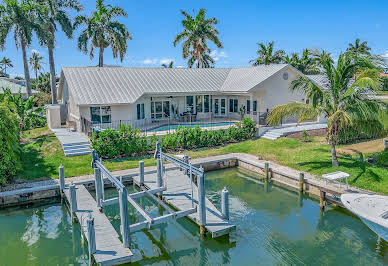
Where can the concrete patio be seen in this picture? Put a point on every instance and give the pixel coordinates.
(73, 143)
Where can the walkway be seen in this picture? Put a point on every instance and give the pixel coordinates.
(275, 133)
(73, 143)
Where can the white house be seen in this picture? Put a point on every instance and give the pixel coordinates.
(141, 96)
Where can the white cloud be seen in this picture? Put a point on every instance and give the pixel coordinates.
(218, 54)
(35, 51)
(156, 61)
(385, 55)
(149, 61)
(13, 75)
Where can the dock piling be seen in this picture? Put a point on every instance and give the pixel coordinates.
(99, 188)
(91, 237)
(159, 175)
(124, 216)
(141, 170)
(301, 182)
(322, 200)
(266, 170)
(61, 178)
(73, 199)
(201, 202)
(225, 203)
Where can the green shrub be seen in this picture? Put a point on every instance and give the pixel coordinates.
(9, 145)
(127, 141)
(361, 131)
(382, 159)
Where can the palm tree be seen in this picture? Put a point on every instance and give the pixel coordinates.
(5, 62)
(344, 102)
(169, 65)
(206, 60)
(57, 15)
(24, 18)
(266, 55)
(36, 63)
(305, 64)
(103, 31)
(359, 49)
(196, 32)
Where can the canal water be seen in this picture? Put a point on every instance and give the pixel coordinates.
(275, 226)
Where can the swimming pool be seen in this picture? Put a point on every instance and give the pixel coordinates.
(275, 226)
(174, 127)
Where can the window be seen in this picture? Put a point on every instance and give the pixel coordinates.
(198, 101)
(254, 106)
(206, 103)
(248, 106)
(160, 109)
(140, 111)
(190, 103)
(100, 114)
(233, 105)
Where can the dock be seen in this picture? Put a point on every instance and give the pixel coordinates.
(178, 195)
(109, 248)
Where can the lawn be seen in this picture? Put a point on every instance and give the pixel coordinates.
(42, 154)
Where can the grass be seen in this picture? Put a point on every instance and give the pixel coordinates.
(42, 148)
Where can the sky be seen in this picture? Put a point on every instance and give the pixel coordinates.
(293, 25)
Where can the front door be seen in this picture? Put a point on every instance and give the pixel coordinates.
(220, 106)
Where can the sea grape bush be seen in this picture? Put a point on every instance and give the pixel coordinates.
(128, 141)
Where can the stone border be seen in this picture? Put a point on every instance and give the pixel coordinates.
(278, 174)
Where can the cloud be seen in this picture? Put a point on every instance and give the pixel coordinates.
(165, 61)
(13, 75)
(385, 55)
(156, 61)
(218, 54)
(35, 51)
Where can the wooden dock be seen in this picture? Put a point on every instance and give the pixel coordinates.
(178, 195)
(109, 248)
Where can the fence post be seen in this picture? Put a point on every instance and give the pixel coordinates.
(141, 174)
(301, 182)
(124, 217)
(201, 202)
(91, 238)
(225, 203)
(73, 200)
(61, 178)
(99, 186)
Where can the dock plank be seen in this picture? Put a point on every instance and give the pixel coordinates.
(109, 248)
(178, 194)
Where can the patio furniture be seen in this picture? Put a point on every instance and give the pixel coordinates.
(337, 176)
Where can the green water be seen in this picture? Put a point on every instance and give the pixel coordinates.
(274, 227)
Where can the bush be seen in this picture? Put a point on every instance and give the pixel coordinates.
(382, 159)
(127, 141)
(9, 145)
(361, 131)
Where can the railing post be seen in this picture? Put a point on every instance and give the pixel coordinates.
(201, 203)
(73, 200)
(141, 174)
(61, 178)
(301, 182)
(124, 216)
(91, 238)
(99, 186)
(225, 203)
(159, 175)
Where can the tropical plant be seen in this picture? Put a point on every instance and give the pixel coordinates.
(359, 48)
(42, 83)
(169, 65)
(344, 102)
(206, 60)
(103, 30)
(36, 63)
(57, 15)
(196, 32)
(305, 64)
(267, 55)
(4, 63)
(24, 18)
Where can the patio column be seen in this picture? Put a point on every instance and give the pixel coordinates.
(251, 106)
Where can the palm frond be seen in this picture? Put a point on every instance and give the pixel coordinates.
(300, 110)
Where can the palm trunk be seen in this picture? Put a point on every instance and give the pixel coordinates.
(101, 57)
(26, 70)
(334, 159)
(52, 75)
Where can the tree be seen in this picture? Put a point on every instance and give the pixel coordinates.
(103, 30)
(57, 15)
(267, 55)
(24, 18)
(206, 60)
(36, 63)
(196, 32)
(169, 65)
(344, 102)
(359, 48)
(305, 64)
(42, 83)
(5, 62)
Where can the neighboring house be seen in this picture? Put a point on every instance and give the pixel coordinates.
(15, 87)
(142, 96)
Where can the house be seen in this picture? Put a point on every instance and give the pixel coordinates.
(141, 96)
(15, 86)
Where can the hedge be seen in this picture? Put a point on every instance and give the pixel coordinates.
(9, 145)
(128, 141)
(361, 131)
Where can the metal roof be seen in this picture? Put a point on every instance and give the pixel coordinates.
(120, 85)
(14, 87)
(320, 80)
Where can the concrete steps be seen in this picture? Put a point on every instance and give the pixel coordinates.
(275, 133)
(76, 149)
